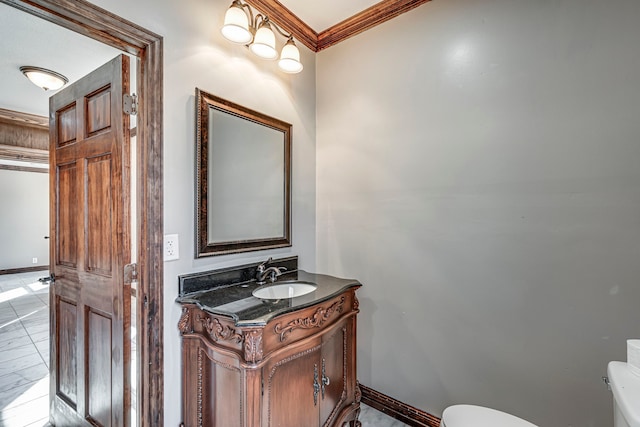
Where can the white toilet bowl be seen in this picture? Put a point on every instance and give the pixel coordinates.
(624, 382)
(625, 386)
(478, 416)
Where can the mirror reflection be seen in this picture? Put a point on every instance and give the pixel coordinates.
(243, 178)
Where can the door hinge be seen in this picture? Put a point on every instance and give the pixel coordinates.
(131, 273)
(130, 104)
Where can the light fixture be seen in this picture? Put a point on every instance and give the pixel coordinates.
(264, 42)
(257, 33)
(290, 58)
(236, 24)
(46, 79)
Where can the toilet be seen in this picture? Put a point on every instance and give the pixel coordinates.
(625, 387)
(478, 416)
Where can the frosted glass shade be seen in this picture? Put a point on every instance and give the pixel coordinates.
(236, 25)
(290, 58)
(46, 79)
(264, 43)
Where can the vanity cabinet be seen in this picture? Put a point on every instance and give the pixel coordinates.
(297, 370)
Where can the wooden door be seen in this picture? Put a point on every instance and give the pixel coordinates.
(333, 372)
(90, 307)
(289, 397)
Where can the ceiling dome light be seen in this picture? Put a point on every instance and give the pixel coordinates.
(236, 24)
(264, 43)
(43, 78)
(290, 58)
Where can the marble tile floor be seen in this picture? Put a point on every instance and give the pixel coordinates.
(24, 350)
(370, 417)
(24, 355)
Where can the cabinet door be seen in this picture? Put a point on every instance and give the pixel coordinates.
(289, 387)
(333, 372)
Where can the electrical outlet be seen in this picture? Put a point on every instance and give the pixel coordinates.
(171, 247)
(34, 260)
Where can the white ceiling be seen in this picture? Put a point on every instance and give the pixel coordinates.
(325, 14)
(28, 40)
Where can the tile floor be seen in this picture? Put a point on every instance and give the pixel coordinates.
(24, 350)
(370, 417)
(24, 355)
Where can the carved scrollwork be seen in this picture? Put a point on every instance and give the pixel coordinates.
(219, 332)
(358, 393)
(253, 345)
(356, 303)
(184, 324)
(318, 319)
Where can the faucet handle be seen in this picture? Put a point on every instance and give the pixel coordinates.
(277, 271)
(263, 264)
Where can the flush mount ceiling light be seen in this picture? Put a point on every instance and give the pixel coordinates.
(240, 26)
(43, 78)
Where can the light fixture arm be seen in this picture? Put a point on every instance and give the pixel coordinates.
(259, 19)
(282, 33)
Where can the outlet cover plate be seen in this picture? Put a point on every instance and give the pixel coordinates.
(171, 247)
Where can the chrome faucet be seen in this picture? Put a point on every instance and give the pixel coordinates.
(263, 272)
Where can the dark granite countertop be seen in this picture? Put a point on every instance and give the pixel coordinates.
(237, 302)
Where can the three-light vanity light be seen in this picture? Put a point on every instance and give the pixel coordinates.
(257, 33)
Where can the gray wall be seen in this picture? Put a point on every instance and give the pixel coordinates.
(477, 170)
(196, 55)
(24, 219)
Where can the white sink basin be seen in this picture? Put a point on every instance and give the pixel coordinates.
(284, 290)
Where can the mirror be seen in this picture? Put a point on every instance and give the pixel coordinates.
(243, 178)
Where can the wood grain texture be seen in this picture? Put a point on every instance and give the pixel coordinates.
(261, 375)
(21, 133)
(33, 155)
(26, 119)
(87, 19)
(90, 211)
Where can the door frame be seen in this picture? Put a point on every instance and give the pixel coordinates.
(89, 20)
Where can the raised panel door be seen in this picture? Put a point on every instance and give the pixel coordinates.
(89, 156)
(291, 388)
(333, 373)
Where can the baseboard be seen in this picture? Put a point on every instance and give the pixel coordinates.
(24, 269)
(400, 411)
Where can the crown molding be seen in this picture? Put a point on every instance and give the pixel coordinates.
(358, 23)
(368, 18)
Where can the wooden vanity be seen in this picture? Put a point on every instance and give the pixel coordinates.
(293, 365)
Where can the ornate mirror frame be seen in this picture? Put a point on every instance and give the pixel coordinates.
(205, 103)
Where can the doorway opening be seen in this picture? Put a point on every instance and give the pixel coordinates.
(84, 18)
